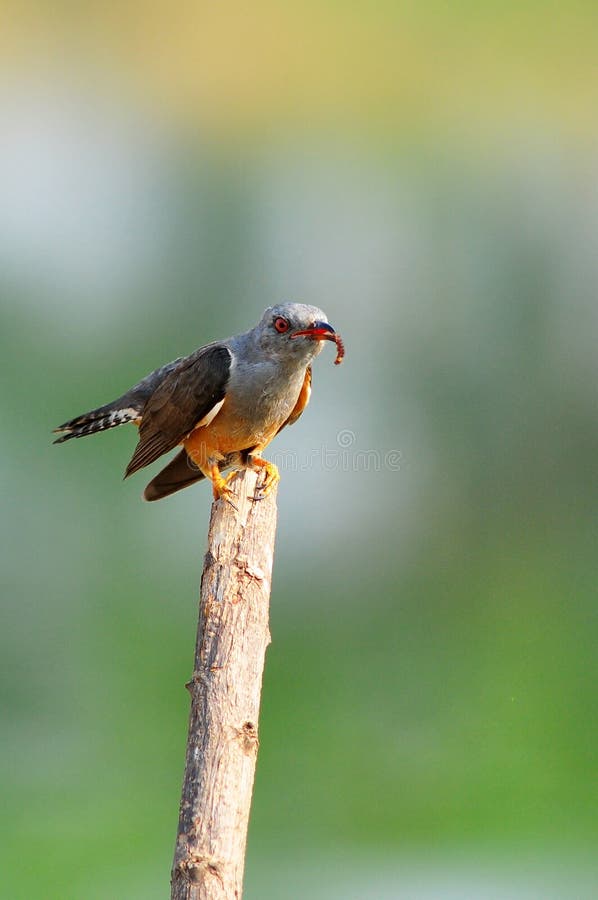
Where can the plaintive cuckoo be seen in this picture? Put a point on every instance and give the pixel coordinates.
(223, 404)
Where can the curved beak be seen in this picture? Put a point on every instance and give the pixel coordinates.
(323, 331)
(319, 331)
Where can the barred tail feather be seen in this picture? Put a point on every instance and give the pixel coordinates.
(96, 420)
(127, 408)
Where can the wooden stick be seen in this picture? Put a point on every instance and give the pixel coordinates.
(225, 689)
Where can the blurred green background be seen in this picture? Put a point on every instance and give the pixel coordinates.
(428, 175)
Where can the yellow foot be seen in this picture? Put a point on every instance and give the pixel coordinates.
(271, 478)
(220, 486)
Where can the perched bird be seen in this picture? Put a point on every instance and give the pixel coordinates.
(223, 404)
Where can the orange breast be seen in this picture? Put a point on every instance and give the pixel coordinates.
(227, 433)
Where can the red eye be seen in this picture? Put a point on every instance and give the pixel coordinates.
(281, 324)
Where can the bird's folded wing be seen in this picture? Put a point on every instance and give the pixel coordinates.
(187, 394)
(302, 400)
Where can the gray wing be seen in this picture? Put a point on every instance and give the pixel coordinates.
(184, 397)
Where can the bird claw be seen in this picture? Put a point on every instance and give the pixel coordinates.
(222, 490)
(271, 479)
(226, 496)
(264, 491)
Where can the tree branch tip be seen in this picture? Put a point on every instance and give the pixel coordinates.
(224, 688)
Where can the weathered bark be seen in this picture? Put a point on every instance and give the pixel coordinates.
(222, 745)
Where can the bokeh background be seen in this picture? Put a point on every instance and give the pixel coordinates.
(428, 175)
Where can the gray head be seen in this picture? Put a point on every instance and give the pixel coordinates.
(293, 331)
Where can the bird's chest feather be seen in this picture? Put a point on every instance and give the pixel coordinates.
(258, 402)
